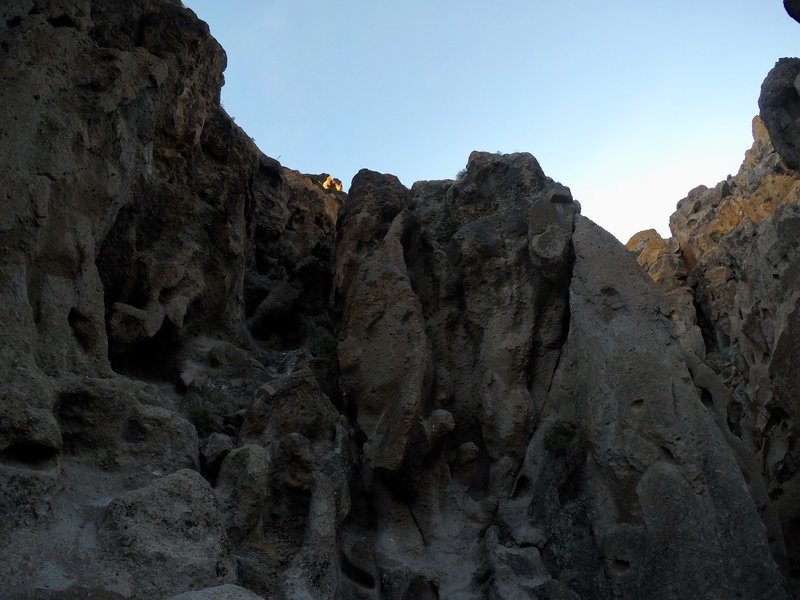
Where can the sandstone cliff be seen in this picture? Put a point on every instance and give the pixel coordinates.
(225, 379)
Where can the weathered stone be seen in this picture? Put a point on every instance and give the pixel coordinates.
(730, 274)
(665, 265)
(129, 325)
(133, 208)
(242, 488)
(514, 572)
(559, 193)
(441, 249)
(641, 403)
(293, 404)
(123, 425)
(170, 535)
(220, 592)
(779, 104)
(460, 390)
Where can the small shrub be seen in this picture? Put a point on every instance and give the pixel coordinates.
(462, 173)
(559, 437)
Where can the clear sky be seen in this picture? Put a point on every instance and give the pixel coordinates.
(631, 103)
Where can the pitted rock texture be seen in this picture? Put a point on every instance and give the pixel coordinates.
(225, 379)
(730, 275)
(156, 271)
(171, 533)
(530, 426)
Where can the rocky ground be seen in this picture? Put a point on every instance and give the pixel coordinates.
(222, 379)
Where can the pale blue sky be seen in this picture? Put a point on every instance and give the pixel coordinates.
(631, 103)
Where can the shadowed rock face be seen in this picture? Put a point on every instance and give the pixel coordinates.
(156, 271)
(215, 378)
(793, 8)
(524, 403)
(779, 105)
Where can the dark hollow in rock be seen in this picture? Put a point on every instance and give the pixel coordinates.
(30, 455)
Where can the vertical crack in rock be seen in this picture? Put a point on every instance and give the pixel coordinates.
(567, 316)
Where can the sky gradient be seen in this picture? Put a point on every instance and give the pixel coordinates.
(629, 103)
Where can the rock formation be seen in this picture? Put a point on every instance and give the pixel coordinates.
(157, 271)
(223, 379)
(779, 104)
(730, 275)
(793, 8)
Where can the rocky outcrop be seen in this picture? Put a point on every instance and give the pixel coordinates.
(779, 106)
(729, 274)
(524, 404)
(221, 380)
(156, 271)
(793, 8)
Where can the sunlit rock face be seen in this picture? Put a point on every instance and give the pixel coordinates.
(226, 379)
(331, 183)
(156, 271)
(779, 105)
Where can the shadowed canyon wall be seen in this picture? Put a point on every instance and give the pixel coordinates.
(224, 379)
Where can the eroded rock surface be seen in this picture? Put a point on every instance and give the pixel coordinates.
(730, 276)
(530, 426)
(156, 271)
(225, 379)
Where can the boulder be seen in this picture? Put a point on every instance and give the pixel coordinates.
(169, 535)
(779, 104)
(242, 488)
(793, 8)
